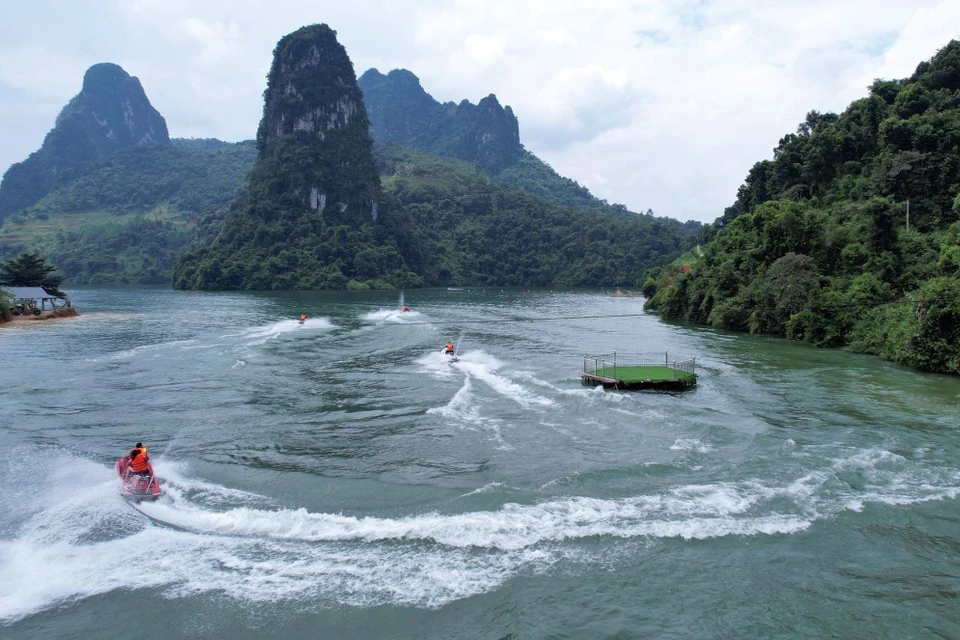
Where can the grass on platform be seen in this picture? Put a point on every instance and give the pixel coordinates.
(638, 374)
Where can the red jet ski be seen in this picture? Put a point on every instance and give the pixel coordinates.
(137, 487)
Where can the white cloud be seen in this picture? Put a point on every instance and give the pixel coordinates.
(577, 103)
(653, 103)
(484, 50)
(929, 27)
(40, 70)
(218, 40)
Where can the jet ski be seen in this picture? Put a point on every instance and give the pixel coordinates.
(137, 487)
(451, 354)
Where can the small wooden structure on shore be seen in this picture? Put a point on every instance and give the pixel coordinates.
(25, 300)
(639, 371)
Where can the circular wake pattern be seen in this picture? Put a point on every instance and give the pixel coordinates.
(345, 474)
(202, 537)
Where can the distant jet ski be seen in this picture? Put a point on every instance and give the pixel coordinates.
(303, 318)
(134, 486)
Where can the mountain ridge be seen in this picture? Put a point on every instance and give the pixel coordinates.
(124, 217)
(486, 134)
(111, 112)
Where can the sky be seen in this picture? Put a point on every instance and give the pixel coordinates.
(655, 104)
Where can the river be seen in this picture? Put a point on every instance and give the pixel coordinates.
(343, 479)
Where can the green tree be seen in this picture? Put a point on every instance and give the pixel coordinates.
(30, 270)
(936, 344)
(5, 314)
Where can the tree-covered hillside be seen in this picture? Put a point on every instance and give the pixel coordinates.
(816, 246)
(476, 231)
(125, 218)
(442, 222)
(535, 176)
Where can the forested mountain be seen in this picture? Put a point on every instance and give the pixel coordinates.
(316, 216)
(400, 111)
(111, 112)
(456, 226)
(125, 218)
(817, 247)
(313, 206)
(485, 134)
(475, 231)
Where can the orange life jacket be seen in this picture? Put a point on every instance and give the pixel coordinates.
(139, 462)
(449, 346)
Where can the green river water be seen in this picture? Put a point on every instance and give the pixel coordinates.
(342, 479)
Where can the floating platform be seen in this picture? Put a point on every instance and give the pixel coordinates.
(625, 371)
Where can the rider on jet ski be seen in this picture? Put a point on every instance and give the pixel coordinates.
(139, 461)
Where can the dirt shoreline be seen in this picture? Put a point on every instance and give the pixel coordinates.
(59, 314)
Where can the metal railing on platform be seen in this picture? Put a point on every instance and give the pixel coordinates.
(606, 365)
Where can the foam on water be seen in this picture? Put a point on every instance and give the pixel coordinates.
(205, 538)
(259, 335)
(689, 512)
(599, 394)
(436, 364)
(488, 488)
(79, 544)
(182, 486)
(392, 315)
(691, 444)
(464, 409)
(483, 367)
(461, 406)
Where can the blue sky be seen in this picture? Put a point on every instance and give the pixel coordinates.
(656, 104)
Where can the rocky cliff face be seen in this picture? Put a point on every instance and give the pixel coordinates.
(485, 134)
(314, 135)
(111, 112)
(496, 135)
(399, 108)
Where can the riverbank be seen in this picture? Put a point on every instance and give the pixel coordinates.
(56, 314)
